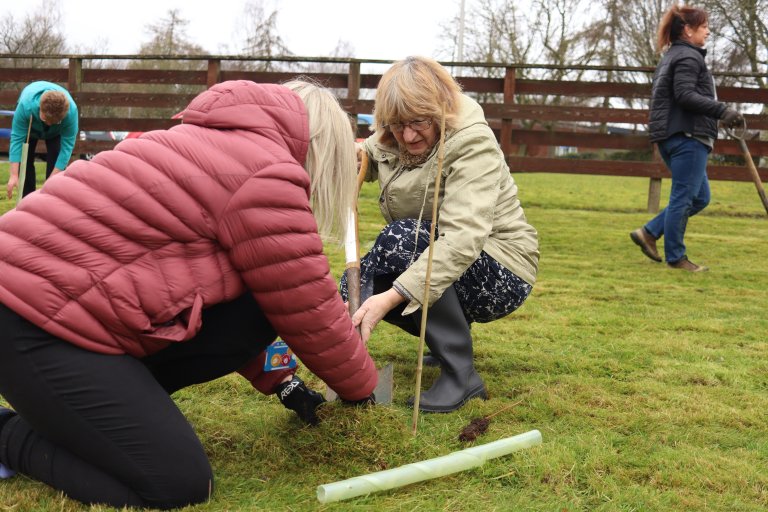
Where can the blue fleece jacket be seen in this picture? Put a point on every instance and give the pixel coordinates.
(29, 106)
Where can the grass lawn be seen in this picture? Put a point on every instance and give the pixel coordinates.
(649, 385)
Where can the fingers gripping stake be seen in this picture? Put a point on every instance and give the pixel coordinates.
(383, 391)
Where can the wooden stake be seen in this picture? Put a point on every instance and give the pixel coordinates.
(425, 301)
(353, 264)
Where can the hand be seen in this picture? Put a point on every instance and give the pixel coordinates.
(373, 310)
(13, 179)
(731, 118)
(12, 182)
(295, 395)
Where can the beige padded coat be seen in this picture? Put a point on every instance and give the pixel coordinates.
(478, 208)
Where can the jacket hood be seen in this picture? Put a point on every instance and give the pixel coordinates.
(270, 110)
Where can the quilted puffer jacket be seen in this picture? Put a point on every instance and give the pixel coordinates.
(683, 97)
(120, 254)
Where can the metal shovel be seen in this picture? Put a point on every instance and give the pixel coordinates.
(383, 391)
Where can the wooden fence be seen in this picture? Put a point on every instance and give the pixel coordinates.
(591, 125)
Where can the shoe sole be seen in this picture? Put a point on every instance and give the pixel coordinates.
(644, 248)
(479, 392)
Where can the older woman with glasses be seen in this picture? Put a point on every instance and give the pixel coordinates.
(485, 255)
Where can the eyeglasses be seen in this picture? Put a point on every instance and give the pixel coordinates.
(418, 125)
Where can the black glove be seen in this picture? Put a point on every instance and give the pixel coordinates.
(369, 400)
(731, 118)
(295, 395)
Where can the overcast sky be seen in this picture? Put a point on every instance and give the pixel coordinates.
(389, 29)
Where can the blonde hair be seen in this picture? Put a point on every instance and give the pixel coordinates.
(672, 24)
(331, 160)
(415, 87)
(54, 105)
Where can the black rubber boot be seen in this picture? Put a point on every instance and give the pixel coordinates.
(449, 339)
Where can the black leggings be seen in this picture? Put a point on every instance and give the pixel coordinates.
(53, 148)
(103, 428)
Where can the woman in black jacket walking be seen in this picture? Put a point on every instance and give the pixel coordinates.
(683, 122)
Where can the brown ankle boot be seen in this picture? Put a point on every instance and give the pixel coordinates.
(686, 264)
(646, 242)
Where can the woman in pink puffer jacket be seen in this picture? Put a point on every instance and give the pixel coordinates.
(174, 259)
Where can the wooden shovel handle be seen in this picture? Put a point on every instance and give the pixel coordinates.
(753, 172)
(353, 268)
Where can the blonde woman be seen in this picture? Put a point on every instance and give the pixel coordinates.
(485, 254)
(174, 259)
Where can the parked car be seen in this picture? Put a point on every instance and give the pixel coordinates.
(5, 133)
(99, 136)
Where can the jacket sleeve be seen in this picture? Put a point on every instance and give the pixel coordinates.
(686, 94)
(264, 382)
(271, 235)
(472, 170)
(68, 137)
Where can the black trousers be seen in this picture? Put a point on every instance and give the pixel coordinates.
(103, 428)
(53, 148)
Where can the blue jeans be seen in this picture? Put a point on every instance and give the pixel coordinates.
(686, 159)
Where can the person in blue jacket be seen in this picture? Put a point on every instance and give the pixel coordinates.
(53, 115)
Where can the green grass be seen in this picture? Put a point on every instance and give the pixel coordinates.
(649, 385)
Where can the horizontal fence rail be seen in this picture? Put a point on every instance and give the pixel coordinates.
(592, 125)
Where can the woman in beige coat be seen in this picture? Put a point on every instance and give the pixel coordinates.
(485, 255)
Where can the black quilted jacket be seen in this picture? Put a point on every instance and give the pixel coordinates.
(683, 95)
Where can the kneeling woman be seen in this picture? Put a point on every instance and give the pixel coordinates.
(172, 260)
(485, 254)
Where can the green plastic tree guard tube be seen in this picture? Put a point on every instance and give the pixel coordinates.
(23, 170)
(426, 469)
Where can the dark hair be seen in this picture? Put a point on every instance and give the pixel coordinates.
(674, 21)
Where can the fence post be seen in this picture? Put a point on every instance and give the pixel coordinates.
(214, 72)
(654, 186)
(75, 75)
(506, 124)
(353, 82)
(353, 92)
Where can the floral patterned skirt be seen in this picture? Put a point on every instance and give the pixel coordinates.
(487, 290)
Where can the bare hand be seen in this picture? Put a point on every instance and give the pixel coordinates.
(13, 179)
(373, 310)
(359, 151)
(12, 182)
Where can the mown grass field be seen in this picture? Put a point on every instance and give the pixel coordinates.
(649, 385)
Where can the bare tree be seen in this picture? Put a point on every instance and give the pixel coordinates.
(36, 33)
(740, 28)
(262, 38)
(169, 37)
(627, 29)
